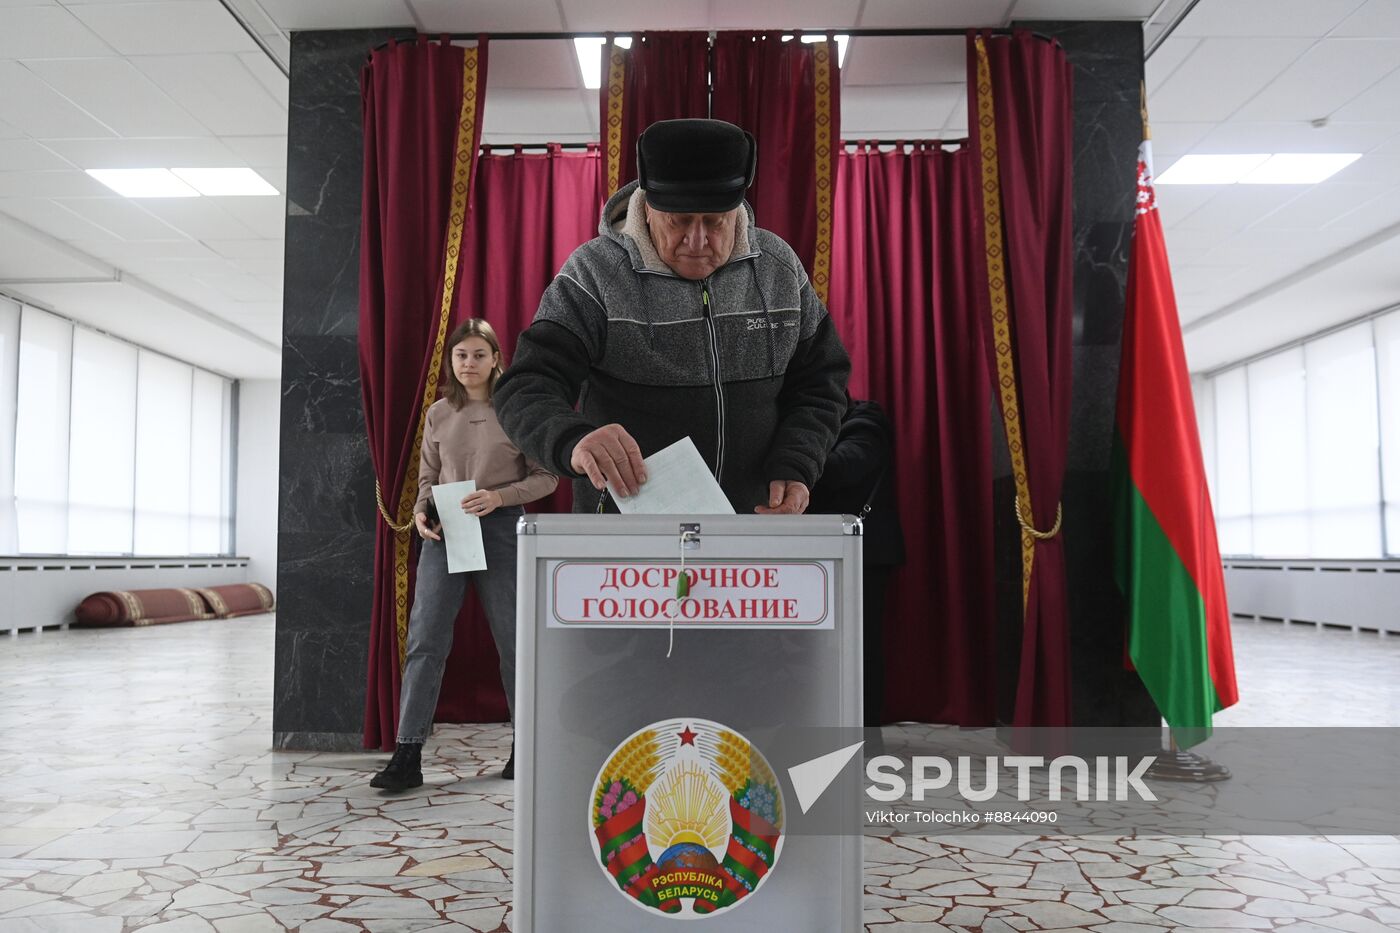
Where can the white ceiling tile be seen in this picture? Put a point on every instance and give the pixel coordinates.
(902, 112)
(199, 218)
(1176, 138)
(1375, 18)
(178, 28)
(631, 15)
(251, 250)
(268, 74)
(47, 32)
(1380, 101)
(337, 14)
(222, 93)
(8, 132)
(1327, 77)
(120, 96)
(38, 110)
(945, 14)
(1175, 202)
(510, 112)
(1380, 172)
(269, 270)
(51, 217)
(66, 184)
(274, 175)
(239, 287)
(266, 217)
(189, 152)
(1295, 137)
(153, 266)
(1318, 206)
(258, 150)
(813, 14)
(1167, 58)
(881, 60)
(25, 155)
(22, 255)
(546, 63)
(124, 253)
(487, 16)
(956, 126)
(1266, 17)
(1084, 9)
(1376, 214)
(1238, 206)
(1271, 240)
(1220, 75)
(123, 218)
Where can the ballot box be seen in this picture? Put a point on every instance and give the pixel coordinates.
(643, 706)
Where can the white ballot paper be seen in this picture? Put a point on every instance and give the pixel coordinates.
(678, 483)
(460, 532)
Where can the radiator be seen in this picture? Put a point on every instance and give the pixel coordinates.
(1359, 596)
(42, 592)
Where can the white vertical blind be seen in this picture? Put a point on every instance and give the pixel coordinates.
(208, 464)
(1203, 396)
(101, 468)
(106, 448)
(1278, 454)
(163, 456)
(9, 384)
(1232, 497)
(41, 432)
(1387, 335)
(1343, 446)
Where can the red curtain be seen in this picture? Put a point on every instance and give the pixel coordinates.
(422, 117)
(903, 271)
(788, 95)
(663, 76)
(1020, 96)
(531, 210)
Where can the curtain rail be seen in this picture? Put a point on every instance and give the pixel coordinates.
(853, 33)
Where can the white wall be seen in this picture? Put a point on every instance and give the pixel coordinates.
(255, 535)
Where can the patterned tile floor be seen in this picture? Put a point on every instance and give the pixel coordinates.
(137, 792)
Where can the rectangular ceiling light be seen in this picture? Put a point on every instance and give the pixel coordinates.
(590, 58)
(1211, 169)
(226, 182)
(143, 182)
(1299, 168)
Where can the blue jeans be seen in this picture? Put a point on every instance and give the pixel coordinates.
(436, 600)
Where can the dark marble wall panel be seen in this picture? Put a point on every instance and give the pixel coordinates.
(1108, 73)
(326, 529)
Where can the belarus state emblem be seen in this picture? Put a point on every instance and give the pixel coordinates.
(686, 818)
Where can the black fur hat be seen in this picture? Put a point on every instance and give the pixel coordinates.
(695, 166)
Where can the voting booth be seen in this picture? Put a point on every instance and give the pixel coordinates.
(643, 705)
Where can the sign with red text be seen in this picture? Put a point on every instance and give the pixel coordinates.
(731, 594)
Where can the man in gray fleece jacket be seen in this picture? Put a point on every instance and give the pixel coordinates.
(681, 318)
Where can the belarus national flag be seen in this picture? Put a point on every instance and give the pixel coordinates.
(1168, 557)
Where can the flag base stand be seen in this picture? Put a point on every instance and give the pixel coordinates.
(1173, 764)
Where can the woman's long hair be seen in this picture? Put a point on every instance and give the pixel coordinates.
(454, 391)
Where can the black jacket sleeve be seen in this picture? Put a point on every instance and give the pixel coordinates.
(812, 399)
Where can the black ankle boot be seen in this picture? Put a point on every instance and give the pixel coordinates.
(404, 771)
(509, 772)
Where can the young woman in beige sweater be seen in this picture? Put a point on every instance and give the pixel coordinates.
(462, 440)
